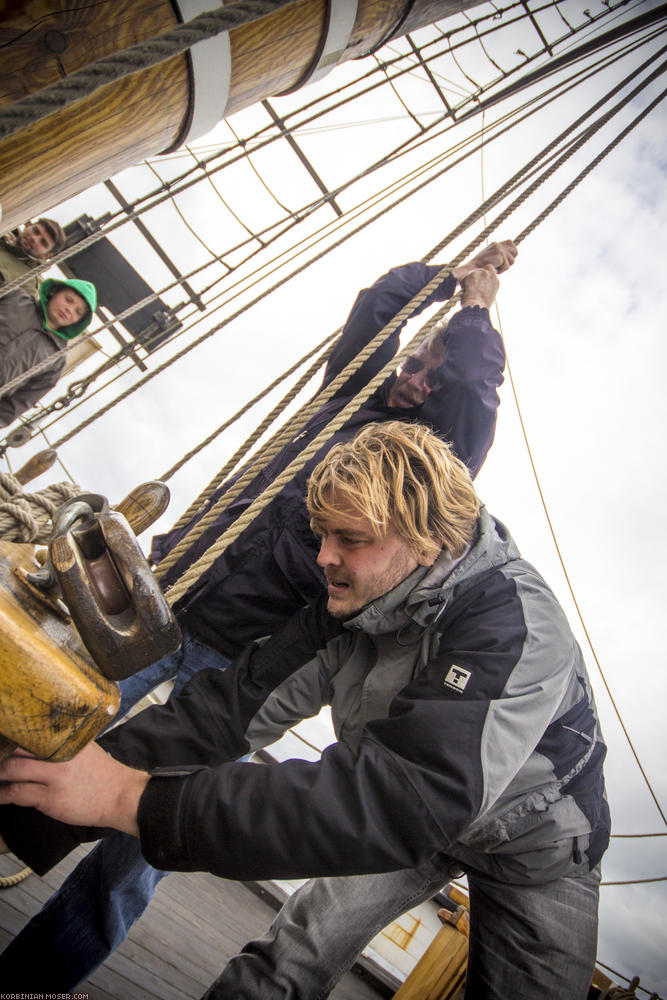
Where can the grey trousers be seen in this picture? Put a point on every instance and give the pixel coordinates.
(526, 942)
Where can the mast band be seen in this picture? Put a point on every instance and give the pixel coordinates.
(210, 64)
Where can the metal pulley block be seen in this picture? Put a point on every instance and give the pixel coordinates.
(114, 600)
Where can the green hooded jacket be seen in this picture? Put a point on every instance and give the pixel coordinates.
(26, 340)
(86, 289)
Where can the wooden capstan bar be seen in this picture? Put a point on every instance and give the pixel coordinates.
(160, 108)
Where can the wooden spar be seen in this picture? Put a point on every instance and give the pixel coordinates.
(152, 111)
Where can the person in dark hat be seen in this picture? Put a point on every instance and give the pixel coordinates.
(25, 247)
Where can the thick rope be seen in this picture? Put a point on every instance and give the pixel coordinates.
(250, 441)
(188, 540)
(191, 576)
(201, 565)
(294, 391)
(276, 443)
(316, 403)
(27, 517)
(118, 65)
(278, 284)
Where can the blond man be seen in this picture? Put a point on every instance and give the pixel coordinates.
(467, 740)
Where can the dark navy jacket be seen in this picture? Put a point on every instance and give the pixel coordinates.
(270, 571)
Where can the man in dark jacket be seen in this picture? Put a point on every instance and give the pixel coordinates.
(270, 571)
(24, 248)
(32, 331)
(467, 740)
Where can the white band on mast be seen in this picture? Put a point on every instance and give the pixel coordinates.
(342, 15)
(211, 62)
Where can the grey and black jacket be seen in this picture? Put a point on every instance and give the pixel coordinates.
(465, 725)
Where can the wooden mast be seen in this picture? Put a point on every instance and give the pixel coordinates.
(151, 111)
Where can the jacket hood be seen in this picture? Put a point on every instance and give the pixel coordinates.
(423, 596)
(86, 289)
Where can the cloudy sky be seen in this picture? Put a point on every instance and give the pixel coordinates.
(582, 314)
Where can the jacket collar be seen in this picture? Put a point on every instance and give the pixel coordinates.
(424, 594)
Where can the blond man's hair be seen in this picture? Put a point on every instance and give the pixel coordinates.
(402, 475)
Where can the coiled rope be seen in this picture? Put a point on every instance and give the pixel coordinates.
(27, 517)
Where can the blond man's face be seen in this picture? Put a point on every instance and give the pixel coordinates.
(359, 565)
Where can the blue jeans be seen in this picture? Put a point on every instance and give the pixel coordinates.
(526, 942)
(180, 666)
(92, 912)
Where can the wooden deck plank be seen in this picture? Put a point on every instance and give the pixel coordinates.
(195, 923)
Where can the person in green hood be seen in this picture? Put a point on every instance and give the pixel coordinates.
(33, 330)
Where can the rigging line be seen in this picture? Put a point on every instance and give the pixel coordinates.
(562, 16)
(567, 578)
(614, 13)
(311, 104)
(628, 836)
(132, 214)
(63, 411)
(545, 70)
(319, 399)
(372, 72)
(306, 121)
(239, 312)
(273, 444)
(142, 55)
(256, 399)
(482, 45)
(59, 460)
(200, 318)
(461, 70)
(185, 223)
(194, 572)
(581, 52)
(422, 64)
(227, 206)
(588, 133)
(649, 60)
(257, 173)
(637, 881)
(152, 297)
(402, 102)
(595, 106)
(470, 139)
(525, 232)
(80, 246)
